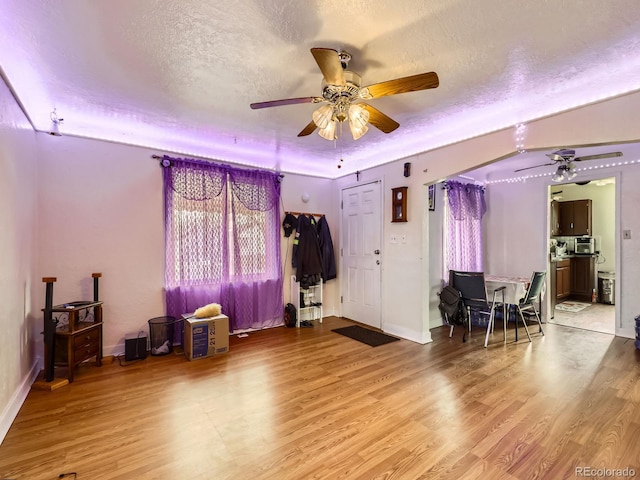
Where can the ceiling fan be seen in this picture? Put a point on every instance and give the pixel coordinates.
(344, 97)
(565, 159)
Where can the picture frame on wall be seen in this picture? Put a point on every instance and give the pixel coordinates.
(432, 198)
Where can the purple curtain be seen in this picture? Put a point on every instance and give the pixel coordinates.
(222, 242)
(463, 242)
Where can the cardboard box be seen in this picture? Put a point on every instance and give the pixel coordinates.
(204, 337)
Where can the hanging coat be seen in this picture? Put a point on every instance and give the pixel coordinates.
(308, 257)
(326, 250)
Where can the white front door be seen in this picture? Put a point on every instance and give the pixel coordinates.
(361, 239)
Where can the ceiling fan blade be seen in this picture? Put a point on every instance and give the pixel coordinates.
(597, 157)
(286, 101)
(379, 119)
(422, 81)
(535, 166)
(330, 65)
(308, 130)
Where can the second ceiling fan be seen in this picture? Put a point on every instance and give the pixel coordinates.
(343, 97)
(565, 159)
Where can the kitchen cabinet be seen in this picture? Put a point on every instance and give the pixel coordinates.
(574, 218)
(555, 218)
(563, 279)
(583, 273)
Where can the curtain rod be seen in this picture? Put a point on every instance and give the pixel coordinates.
(158, 157)
(445, 186)
(305, 213)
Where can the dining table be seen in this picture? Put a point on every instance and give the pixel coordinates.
(515, 289)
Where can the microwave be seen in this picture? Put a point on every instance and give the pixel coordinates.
(585, 246)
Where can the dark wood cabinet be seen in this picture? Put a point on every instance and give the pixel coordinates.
(583, 277)
(582, 217)
(563, 279)
(81, 337)
(555, 218)
(574, 218)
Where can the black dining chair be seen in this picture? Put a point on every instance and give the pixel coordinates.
(527, 305)
(473, 290)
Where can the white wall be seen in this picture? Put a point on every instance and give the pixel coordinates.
(515, 230)
(101, 210)
(628, 267)
(434, 253)
(20, 319)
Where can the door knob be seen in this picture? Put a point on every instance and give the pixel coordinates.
(377, 262)
(377, 252)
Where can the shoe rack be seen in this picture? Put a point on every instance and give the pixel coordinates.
(308, 303)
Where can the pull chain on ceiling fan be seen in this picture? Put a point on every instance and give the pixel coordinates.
(343, 95)
(565, 159)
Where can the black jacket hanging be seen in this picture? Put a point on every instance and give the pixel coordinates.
(308, 257)
(326, 250)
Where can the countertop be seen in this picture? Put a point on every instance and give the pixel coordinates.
(555, 258)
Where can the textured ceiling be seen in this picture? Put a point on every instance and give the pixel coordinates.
(178, 76)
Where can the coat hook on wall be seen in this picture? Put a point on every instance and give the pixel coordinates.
(358, 175)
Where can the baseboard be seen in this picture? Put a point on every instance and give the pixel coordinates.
(407, 334)
(10, 412)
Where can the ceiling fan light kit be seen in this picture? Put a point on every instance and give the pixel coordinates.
(323, 116)
(329, 131)
(565, 172)
(343, 95)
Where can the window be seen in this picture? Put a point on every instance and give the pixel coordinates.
(222, 232)
(464, 208)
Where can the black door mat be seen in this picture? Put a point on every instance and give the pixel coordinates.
(365, 335)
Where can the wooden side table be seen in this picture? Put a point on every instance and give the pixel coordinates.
(81, 338)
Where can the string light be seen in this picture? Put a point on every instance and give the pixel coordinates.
(521, 130)
(524, 178)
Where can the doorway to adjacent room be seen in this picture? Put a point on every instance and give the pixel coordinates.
(597, 311)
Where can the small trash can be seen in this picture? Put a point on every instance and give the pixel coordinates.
(161, 330)
(607, 287)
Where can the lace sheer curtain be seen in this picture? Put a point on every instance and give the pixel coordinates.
(463, 242)
(222, 242)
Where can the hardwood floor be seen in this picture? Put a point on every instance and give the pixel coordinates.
(308, 403)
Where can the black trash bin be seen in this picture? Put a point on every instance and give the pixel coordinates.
(161, 334)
